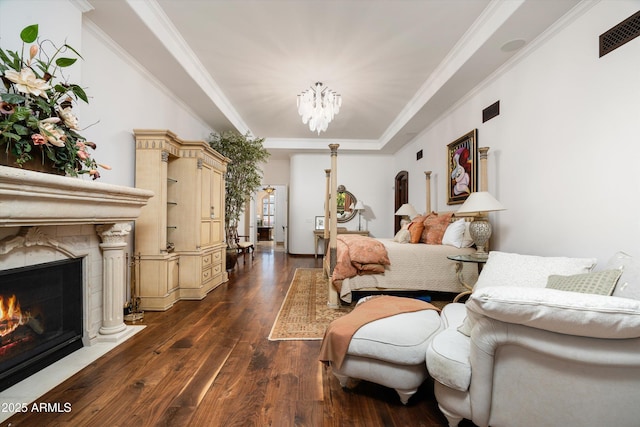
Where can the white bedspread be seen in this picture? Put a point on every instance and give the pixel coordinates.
(415, 267)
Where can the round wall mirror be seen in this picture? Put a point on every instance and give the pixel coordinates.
(345, 205)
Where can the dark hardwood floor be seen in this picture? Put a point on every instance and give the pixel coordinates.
(209, 363)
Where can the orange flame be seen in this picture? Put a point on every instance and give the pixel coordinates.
(10, 315)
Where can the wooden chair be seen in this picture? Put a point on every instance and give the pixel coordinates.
(243, 246)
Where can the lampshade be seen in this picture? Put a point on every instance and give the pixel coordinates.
(478, 202)
(407, 210)
(359, 206)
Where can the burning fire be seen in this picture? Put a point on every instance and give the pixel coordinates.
(10, 315)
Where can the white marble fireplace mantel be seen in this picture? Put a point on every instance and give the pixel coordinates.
(44, 217)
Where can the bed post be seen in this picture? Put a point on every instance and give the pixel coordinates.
(483, 168)
(427, 175)
(333, 242)
(326, 207)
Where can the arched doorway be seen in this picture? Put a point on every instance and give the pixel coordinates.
(401, 195)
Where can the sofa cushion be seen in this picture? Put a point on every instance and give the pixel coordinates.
(448, 359)
(628, 285)
(564, 312)
(599, 282)
(400, 339)
(509, 269)
(453, 315)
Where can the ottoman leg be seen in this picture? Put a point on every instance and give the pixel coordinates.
(345, 380)
(405, 395)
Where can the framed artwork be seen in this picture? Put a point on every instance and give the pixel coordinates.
(319, 223)
(462, 158)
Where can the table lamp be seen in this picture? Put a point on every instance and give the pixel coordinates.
(359, 207)
(407, 212)
(479, 203)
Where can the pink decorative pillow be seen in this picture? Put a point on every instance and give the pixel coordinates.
(424, 219)
(434, 227)
(416, 229)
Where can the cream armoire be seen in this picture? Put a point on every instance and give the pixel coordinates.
(179, 236)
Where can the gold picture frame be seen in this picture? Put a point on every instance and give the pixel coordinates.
(462, 160)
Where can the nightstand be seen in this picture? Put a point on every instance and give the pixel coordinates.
(459, 260)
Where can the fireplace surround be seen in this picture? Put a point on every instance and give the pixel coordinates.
(46, 218)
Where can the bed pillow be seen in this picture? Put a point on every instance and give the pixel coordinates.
(509, 269)
(628, 285)
(434, 227)
(415, 230)
(599, 282)
(454, 234)
(402, 236)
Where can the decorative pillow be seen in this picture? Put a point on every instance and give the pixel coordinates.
(586, 315)
(454, 234)
(423, 238)
(629, 284)
(434, 227)
(600, 282)
(402, 236)
(509, 269)
(415, 230)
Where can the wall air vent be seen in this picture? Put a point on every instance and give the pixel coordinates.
(625, 31)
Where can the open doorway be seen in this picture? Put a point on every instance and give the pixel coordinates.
(270, 211)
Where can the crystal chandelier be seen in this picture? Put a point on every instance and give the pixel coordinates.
(317, 106)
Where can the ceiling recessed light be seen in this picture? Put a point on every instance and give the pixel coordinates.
(513, 45)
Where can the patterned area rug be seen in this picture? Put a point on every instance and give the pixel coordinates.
(304, 314)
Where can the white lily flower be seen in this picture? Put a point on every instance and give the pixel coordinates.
(53, 134)
(69, 118)
(27, 82)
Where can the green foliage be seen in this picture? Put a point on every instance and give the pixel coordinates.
(244, 174)
(36, 111)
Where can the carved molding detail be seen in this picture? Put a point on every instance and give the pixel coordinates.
(113, 233)
(33, 236)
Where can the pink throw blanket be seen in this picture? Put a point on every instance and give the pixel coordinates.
(358, 255)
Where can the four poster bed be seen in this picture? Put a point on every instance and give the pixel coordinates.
(358, 263)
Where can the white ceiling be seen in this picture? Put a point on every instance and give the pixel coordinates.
(398, 64)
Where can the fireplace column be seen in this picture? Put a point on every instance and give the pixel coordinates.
(113, 276)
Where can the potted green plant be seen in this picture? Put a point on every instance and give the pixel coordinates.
(243, 176)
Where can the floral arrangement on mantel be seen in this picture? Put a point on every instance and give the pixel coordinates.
(37, 124)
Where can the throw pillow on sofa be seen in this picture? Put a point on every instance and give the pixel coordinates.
(599, 282)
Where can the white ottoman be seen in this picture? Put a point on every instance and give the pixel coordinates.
(391, 352)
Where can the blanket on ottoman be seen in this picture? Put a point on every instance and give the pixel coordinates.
(338, 335)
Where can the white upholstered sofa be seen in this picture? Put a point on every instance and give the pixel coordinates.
(521, 354)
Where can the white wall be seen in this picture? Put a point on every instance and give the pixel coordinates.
(122, 95)
(368, 177)
(563, 149)
(126, 97)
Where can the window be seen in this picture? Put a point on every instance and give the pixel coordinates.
(268, 210)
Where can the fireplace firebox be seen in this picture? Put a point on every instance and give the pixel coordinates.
(41, 312)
